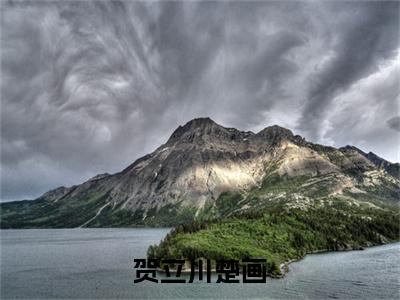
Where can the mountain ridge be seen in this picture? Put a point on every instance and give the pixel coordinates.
(392, 168)
(184, 178)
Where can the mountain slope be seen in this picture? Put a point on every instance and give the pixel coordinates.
(206, 171)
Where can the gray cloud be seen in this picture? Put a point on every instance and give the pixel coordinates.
(394, 123)
(370, 36)
(89, 86)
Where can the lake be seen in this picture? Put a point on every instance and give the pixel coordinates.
(98, 263)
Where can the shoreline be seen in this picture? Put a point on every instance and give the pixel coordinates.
(284, 267)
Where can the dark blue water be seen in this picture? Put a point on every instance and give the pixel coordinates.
(98, 263)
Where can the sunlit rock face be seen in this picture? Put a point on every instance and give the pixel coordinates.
(200, 161)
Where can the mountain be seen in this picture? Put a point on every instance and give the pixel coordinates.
(392, 169)
(206, 171)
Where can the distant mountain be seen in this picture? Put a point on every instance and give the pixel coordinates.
(206, 171)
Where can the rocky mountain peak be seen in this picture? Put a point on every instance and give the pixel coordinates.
(200, 124)
(196, 128)
(276, 133)
(201, 129)
(352, 148)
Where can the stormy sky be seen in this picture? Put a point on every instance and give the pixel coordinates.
(88, 87)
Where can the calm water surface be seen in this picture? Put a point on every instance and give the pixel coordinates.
(97, 263)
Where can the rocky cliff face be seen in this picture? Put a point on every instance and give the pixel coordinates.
(202, 162)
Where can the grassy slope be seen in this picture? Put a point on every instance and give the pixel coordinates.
(66, 213)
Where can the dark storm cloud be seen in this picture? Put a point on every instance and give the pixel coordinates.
(370, 36)
(394, 123)
(89, 86)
